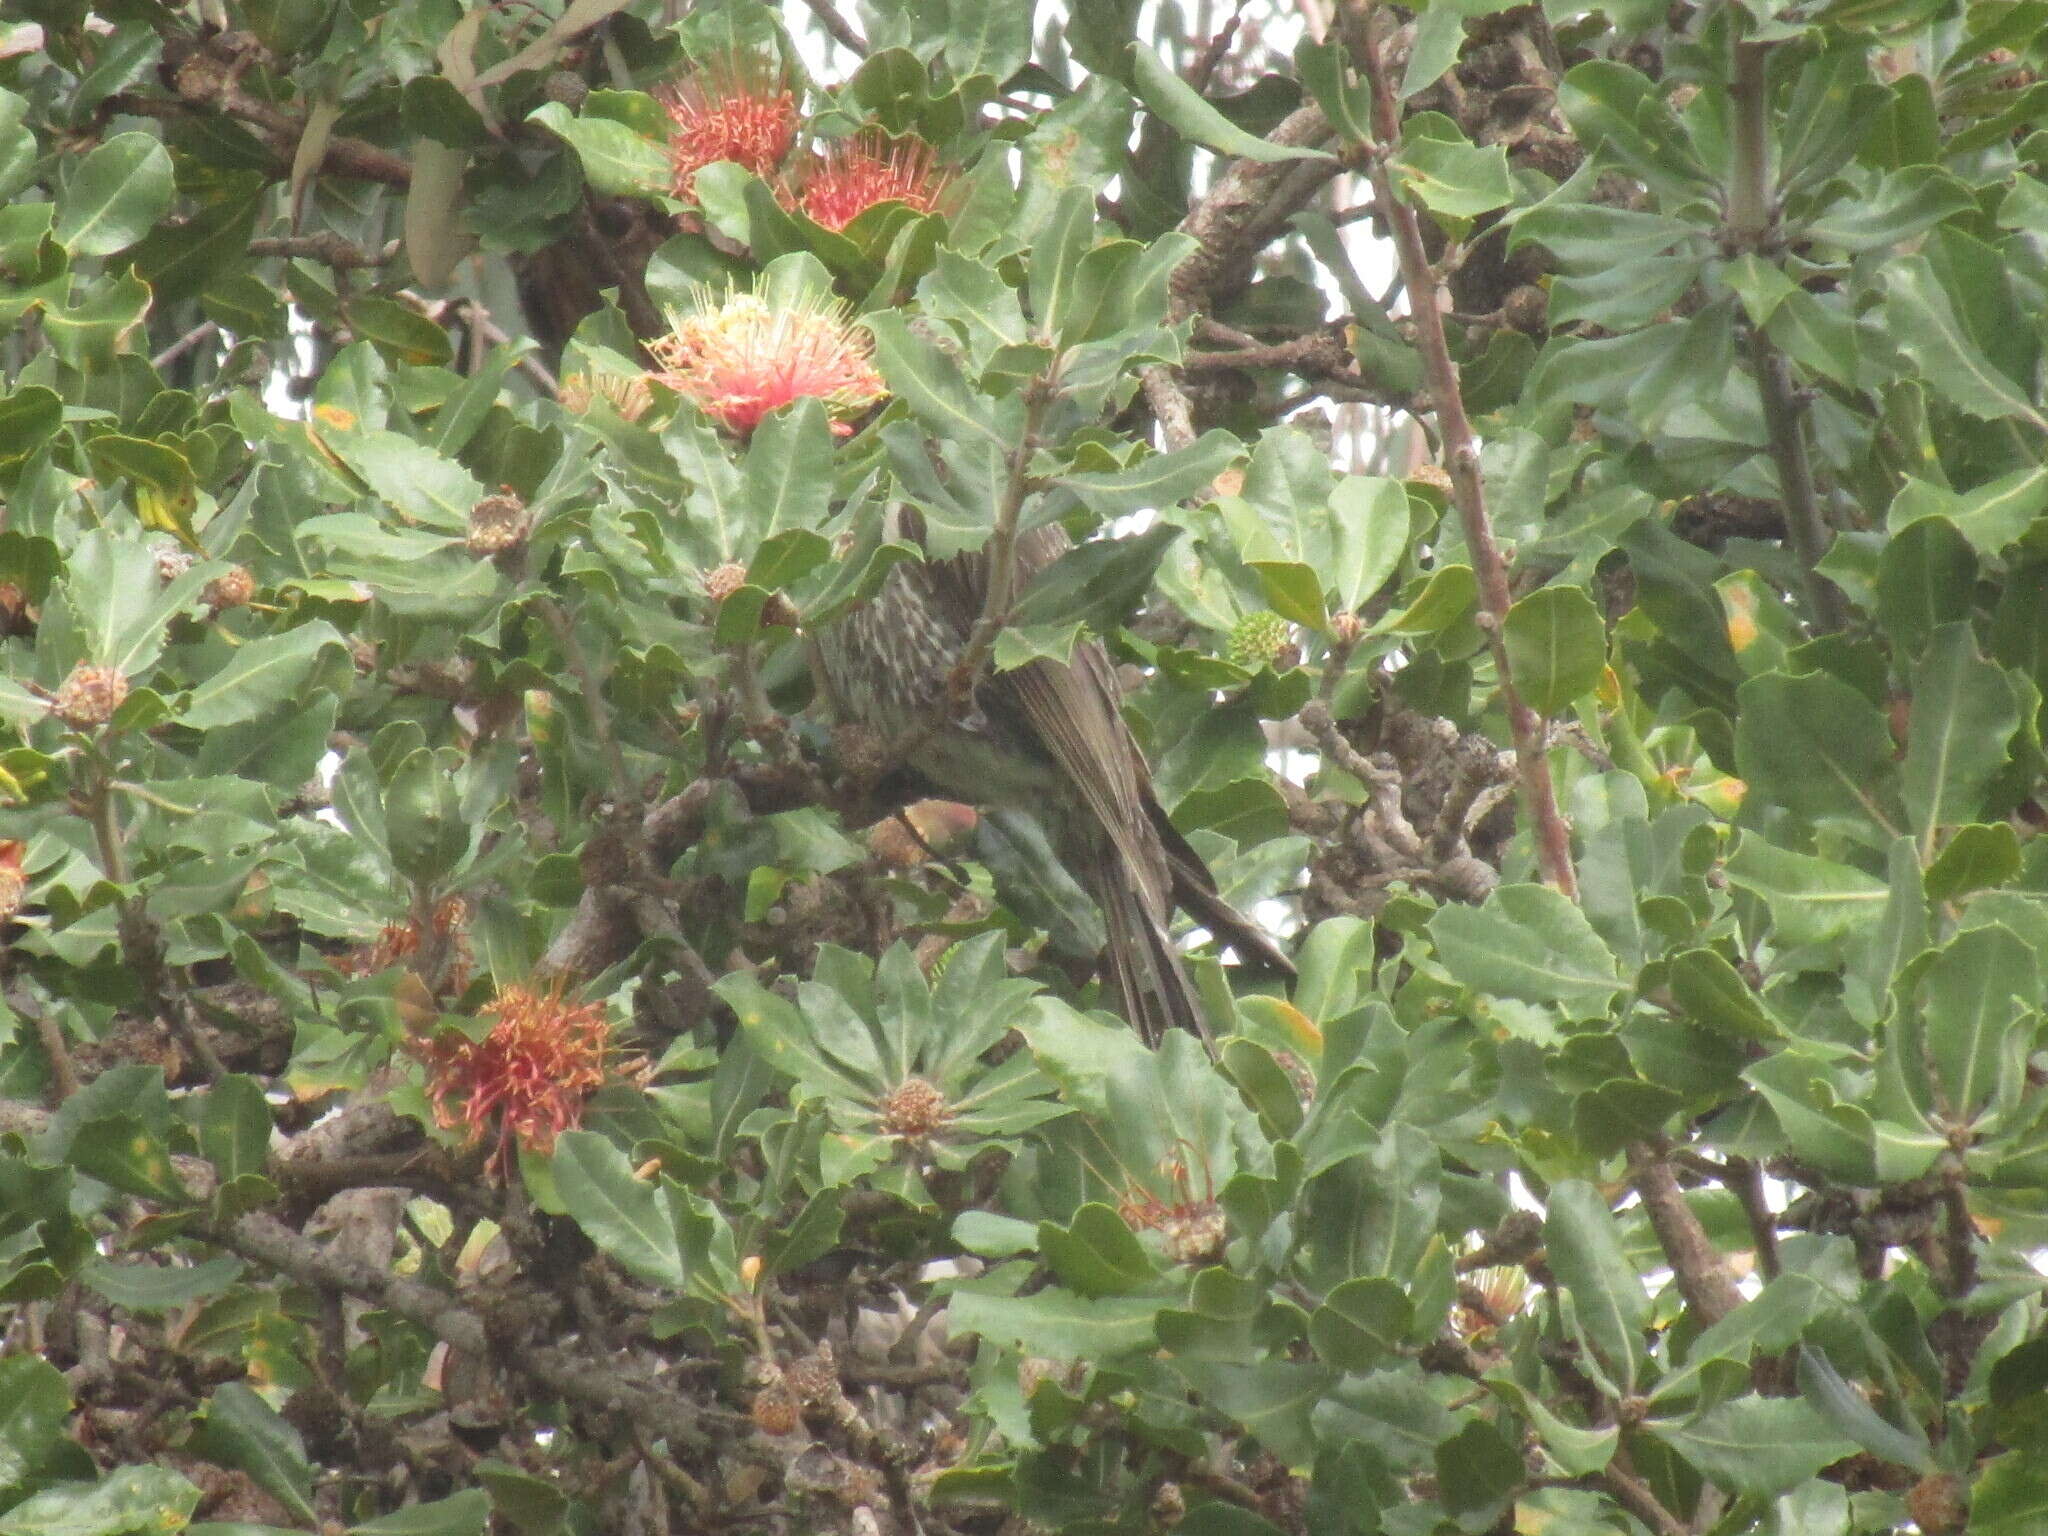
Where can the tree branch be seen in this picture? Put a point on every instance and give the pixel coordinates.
(1001, 594)
(1752, 224)
(1697, 1266)
(1461, 456)
(838, 26)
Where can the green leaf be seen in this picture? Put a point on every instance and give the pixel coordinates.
(1528, 942)
(1924, 580)
(260, 677)
(1446, 172)
(1850, 1412)
(617, 162)
(1616, 110)
(534, 1504)
(1756, 1445)
(467, 1513)
(1557, 647)
(1817, 747)
(1053, 266)
(1964, 713)
(1711, 992)
(1906, 203)
(1370, 528)
(1923, 321)
(399, 332)
(115, 197)
(1586, 1254)
(2010, 1497)
(1173, 99)
(1055, 1323)
(1477, 1471)
(1811, 900)
(788, 477)
(142, 1287)
(122, 1151)
(1345, 101)
(1156, 480)
(1449, 596)
(1979, 985)
(1974, 859)
(245, 1432)
(1097, 1254)
(129, 1501)
(35, 1405)
(1293, 590)
(632, 1220)
(422, 486)
(1097, 583)
(930, 383)
(1273, 1399)
(1360, 1322)
(1579, 1452)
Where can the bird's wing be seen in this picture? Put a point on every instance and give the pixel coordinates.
(1072, 713)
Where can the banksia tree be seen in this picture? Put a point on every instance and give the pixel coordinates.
(1266, 769)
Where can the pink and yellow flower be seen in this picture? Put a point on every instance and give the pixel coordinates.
(863, 172)
(739, 107)
(742, 358)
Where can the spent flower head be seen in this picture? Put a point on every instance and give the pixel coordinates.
(532, 1074)
(738, 106)
(741, 357)
(853, 175)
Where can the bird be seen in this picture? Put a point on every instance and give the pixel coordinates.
(1048, 738)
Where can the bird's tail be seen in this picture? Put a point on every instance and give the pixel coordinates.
(1194, 891)
(1141, 966)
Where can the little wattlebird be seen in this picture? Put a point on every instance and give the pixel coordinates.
(1046, 739)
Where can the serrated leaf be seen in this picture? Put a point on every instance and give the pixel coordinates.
(1528, 942)
(1446, 172)
(1923, 321)
(260, 677)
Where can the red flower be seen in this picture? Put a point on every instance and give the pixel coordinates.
(737, 107)
(534, 1071)
(401, 941)
(739, 360)
(859, 173)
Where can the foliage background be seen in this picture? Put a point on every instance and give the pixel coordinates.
(1686, 1176)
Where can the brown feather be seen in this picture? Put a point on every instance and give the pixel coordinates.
(1046, 733)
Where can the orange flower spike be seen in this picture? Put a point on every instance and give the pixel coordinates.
(738, 107)
(739, 360)
(534, 1072)
(857, 174)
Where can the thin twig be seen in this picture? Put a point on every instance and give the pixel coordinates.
(184, 344)
(1000, 596)
(1461, 455)
(840, 28)
(1636, 1496)
(586, 677)
(141, 941)
(325, 247)
(1752, 223)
